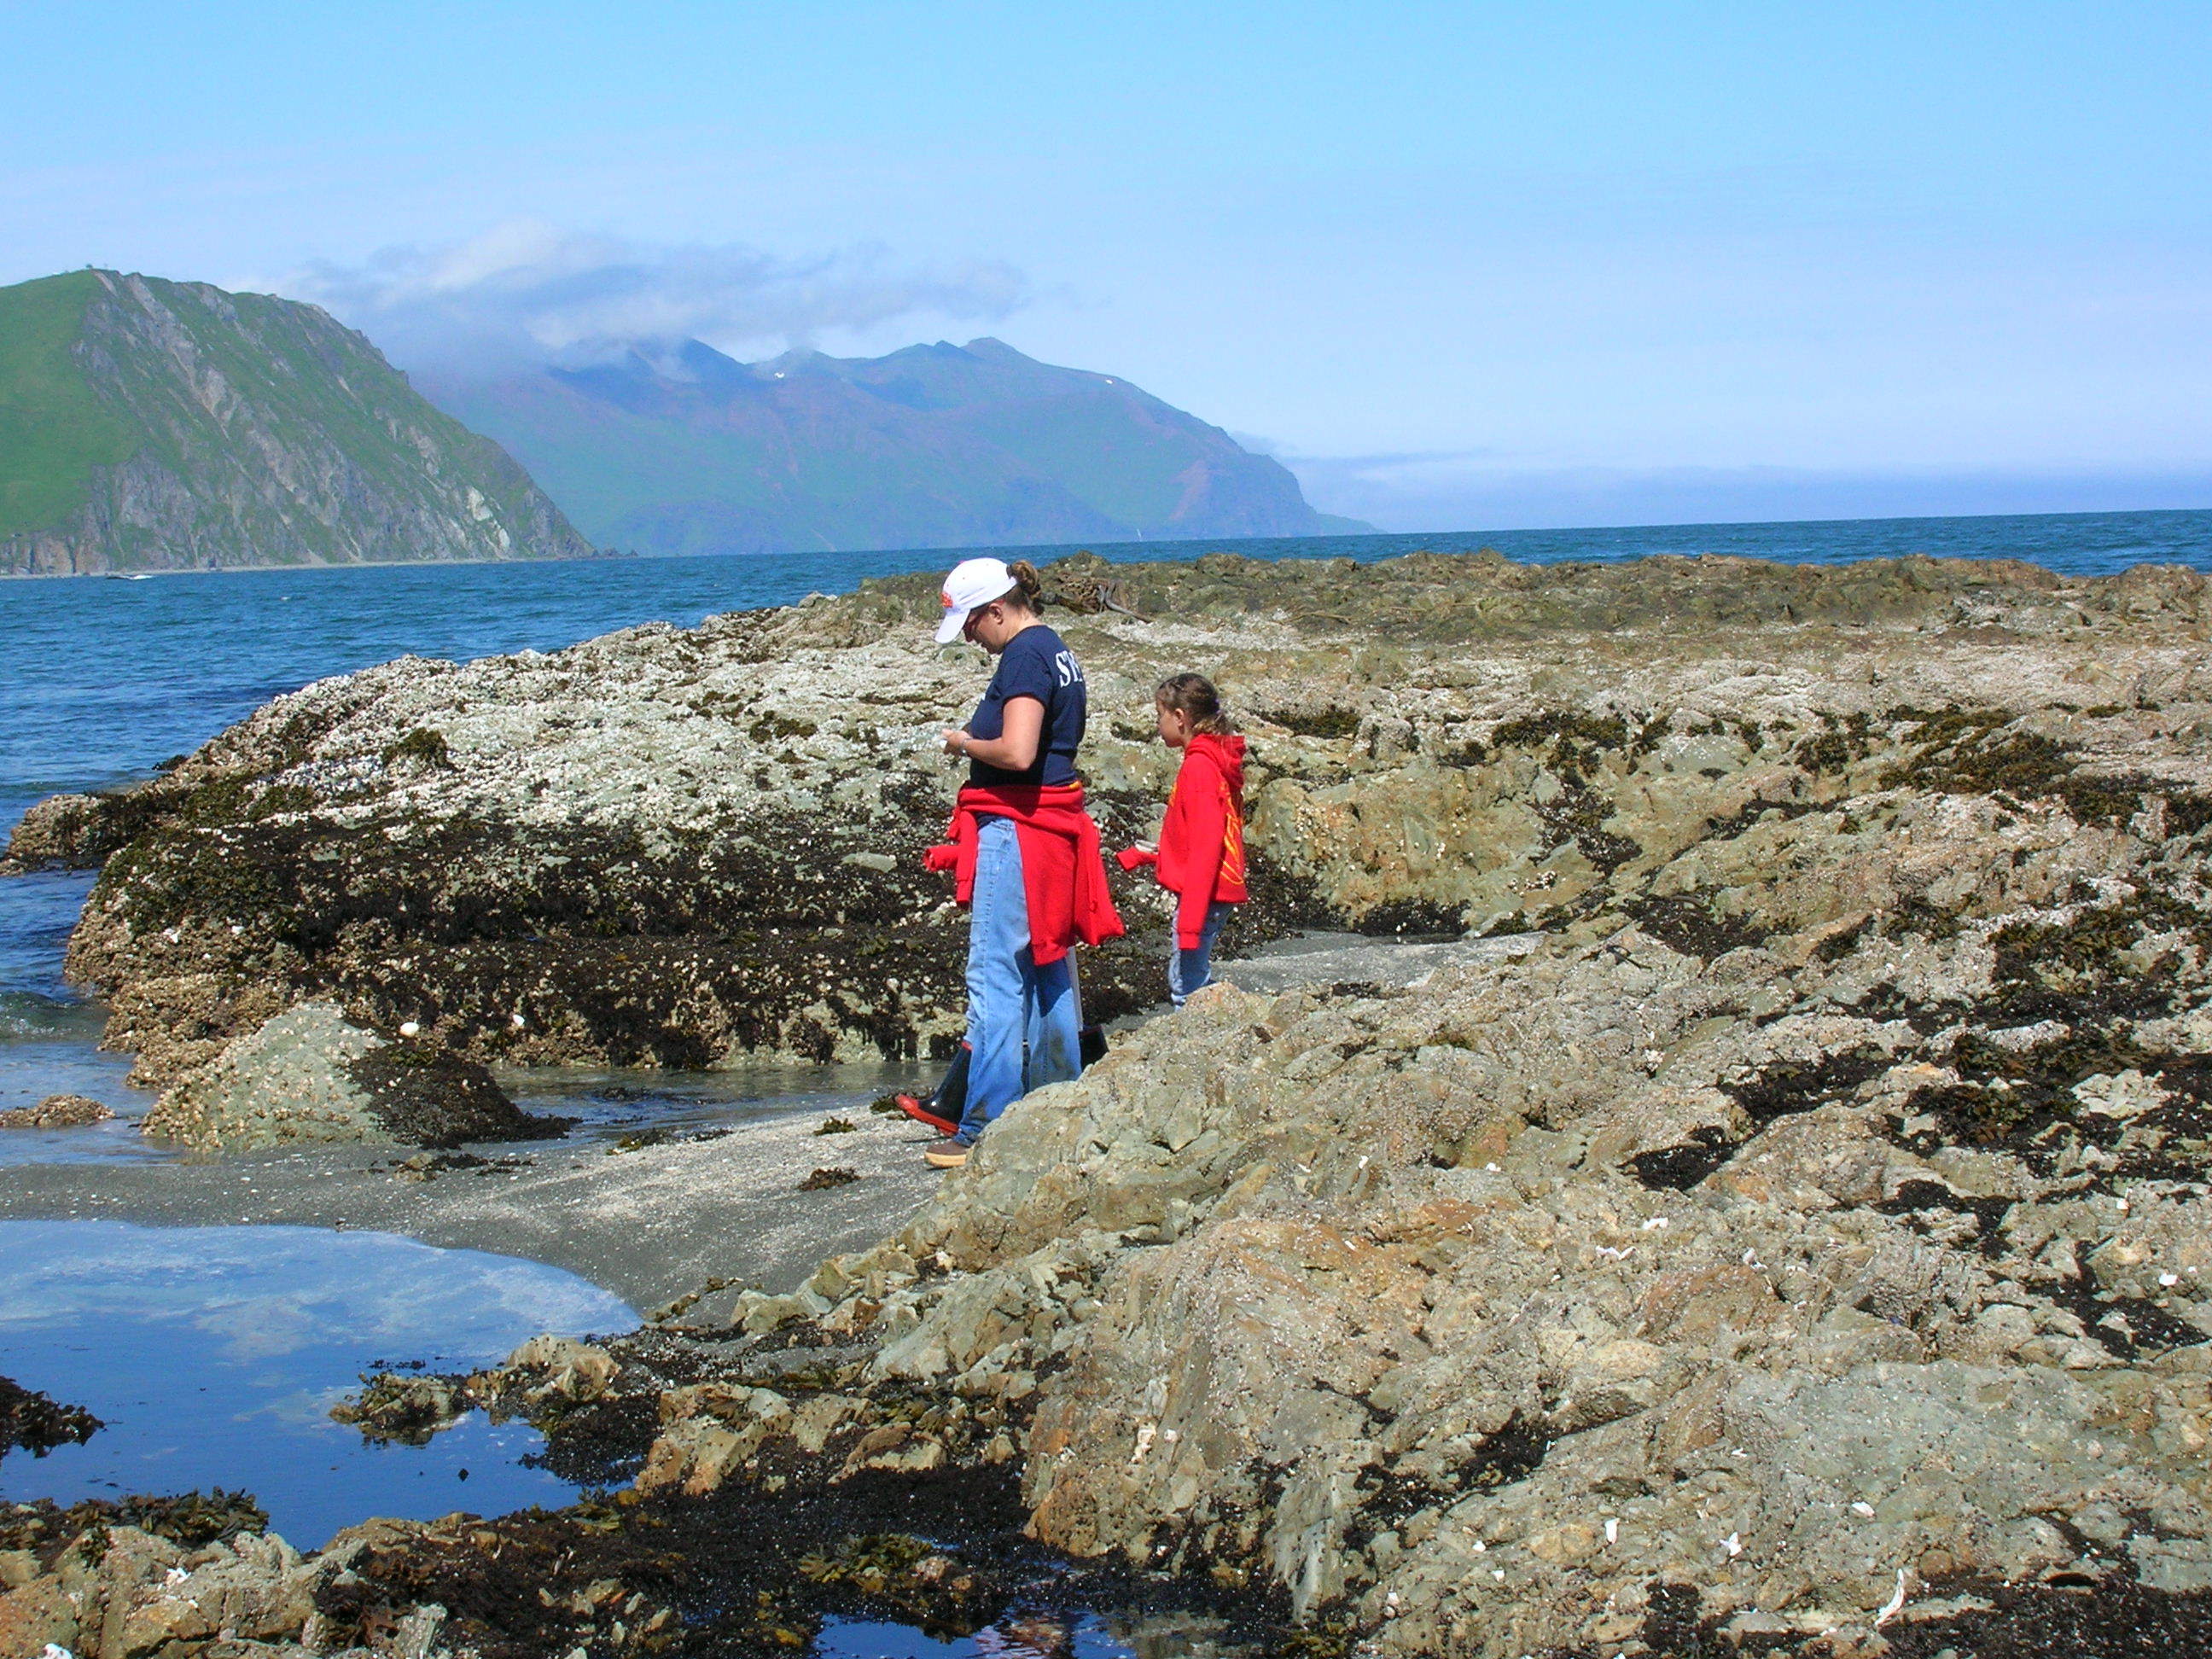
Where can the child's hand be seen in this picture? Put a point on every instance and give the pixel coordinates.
(1129, 858)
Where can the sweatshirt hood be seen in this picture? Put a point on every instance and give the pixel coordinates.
(1227, 753)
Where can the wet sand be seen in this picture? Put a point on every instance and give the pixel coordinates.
(648, 1224)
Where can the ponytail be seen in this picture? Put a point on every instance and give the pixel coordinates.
(1195, 695)
(1028, 591)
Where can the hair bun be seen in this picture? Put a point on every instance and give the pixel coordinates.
(1026, 579)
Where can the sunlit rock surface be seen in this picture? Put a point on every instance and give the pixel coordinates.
(1804, 1240)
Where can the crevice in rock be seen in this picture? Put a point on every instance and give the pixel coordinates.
(1682, 1166)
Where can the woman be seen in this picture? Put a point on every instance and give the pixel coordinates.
(1026, 852)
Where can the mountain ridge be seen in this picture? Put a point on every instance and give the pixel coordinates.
(681, 448)
(147, 424)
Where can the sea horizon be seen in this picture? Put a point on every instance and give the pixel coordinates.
(2190, 541)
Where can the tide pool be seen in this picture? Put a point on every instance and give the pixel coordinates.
(214, 1354)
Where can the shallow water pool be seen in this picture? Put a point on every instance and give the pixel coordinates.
(1045, 1629)
(214, 1354)
(867, 1638)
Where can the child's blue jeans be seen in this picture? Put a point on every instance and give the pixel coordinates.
(1024, 1022)
(1193, 970)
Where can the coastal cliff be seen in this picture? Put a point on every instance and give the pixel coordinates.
(152, 425)
(1800, 1246)
(682, 450)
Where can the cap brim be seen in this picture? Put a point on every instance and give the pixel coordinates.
(955, 620)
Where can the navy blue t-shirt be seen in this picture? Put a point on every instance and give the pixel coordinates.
(1037, 663)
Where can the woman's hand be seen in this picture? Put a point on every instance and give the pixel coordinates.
(956, 743)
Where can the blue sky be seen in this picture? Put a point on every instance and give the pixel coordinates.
(1462, 266)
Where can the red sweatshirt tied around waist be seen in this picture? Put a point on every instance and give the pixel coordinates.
(1063, 872)
(1202, 856)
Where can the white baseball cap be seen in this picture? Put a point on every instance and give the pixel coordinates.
(973, 582)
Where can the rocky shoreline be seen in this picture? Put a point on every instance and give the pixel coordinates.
(1799, 1247)
(670, 846)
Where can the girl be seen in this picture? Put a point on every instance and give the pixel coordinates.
(1200, 855)
(1025, 851)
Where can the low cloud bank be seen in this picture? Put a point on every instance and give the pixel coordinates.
(528, 293)
(1461, 491)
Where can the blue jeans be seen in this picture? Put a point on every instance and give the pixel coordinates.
(1193, 970)
(1024, 1022)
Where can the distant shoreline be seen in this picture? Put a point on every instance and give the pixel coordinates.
(2071, 544)
(355, 564)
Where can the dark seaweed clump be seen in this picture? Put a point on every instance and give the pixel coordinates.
(434, 1097)
(1779, 1091)
(1414, 917)
(424, 745)
(2093, 974)
(32, 1422)
(190, 1519)
(742, 1571)
(1970, 752)
(1682, 1166)
(1574, 745)
(2023, 1100)
(2101, 949)
(1327, 722)
(1798, 1085)
(1576, 739)
(1836, 746)
(2082, 1615)
(1689, 923)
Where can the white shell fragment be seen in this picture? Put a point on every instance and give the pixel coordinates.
(1894, 1605)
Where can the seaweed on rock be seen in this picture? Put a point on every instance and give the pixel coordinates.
(31, 1422)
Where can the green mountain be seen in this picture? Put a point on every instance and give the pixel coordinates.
(149, 425)
(689, 451)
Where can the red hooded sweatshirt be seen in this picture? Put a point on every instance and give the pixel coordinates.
(1063, 875)
(1202, 856)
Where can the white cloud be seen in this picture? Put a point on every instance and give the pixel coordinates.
(529, 292)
